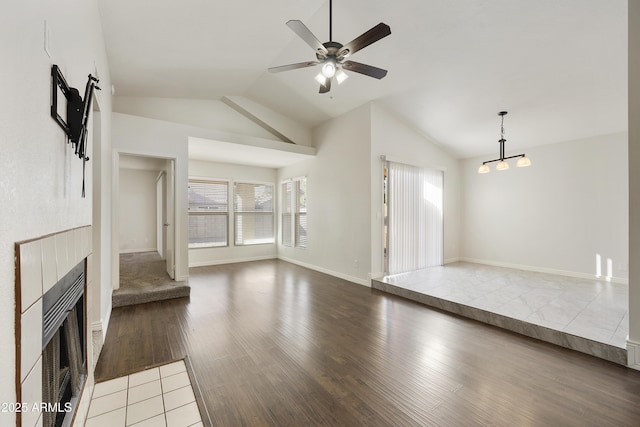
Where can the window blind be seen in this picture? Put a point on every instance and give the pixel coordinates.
(208, 196)
(253, 210)
(287, 211)
(208, 206)
(301, 212)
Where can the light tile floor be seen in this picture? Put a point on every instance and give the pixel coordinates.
(161, 396)
(593, 309)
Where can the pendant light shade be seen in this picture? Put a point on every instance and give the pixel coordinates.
(502, 166)
(484, 169)
(523, 160)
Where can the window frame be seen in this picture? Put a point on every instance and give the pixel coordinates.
(291, 213)
(257, 213)
(226, 214)
(297, 213)
(286, 210)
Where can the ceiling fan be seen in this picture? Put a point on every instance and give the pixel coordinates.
(331, 55)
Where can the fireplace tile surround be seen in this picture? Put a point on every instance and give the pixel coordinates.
(40, 264)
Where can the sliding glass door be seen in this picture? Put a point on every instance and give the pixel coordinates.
(414, 229)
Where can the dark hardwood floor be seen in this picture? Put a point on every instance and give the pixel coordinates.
(272, 343)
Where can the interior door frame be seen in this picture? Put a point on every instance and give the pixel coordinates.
(115, 209)
(169, 219)
(160, 216)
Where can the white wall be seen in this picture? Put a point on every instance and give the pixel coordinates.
(155, 138)
(392, 138)
(40, 177)
(138, 210)
(100, 302)
(203, 113)
(555, 215)
(339, 199)
(231, 253)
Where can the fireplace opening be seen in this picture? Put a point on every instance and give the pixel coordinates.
(64, 348)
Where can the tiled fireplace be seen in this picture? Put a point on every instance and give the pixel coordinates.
(52, 275)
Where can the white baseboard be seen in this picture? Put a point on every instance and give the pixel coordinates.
(633, 354)
(230, 261)
(450, 260)
(576, 274)
(107, 317)
(359, 281)
(135, 251)
(96, 326)
(97, 342)
(376, 275)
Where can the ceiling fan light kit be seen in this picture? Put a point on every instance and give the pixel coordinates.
(332, 54)
(523, 160)
(329, 68)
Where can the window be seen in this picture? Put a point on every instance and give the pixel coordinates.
(253, 210)
(208, 213)
(301, 212)
(287, 210)
(294, 213)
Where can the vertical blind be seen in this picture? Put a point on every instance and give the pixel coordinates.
(208, 213)
(253, 209)
(415, 235)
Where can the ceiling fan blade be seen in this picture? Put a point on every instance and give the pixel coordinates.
(293, 66)
(305, 34)
(367, 70)
(325, 87)
(373, 35)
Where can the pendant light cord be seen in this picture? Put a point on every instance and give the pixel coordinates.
(330, 19)
(502, 140)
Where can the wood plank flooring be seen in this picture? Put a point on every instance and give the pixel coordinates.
(275, 344)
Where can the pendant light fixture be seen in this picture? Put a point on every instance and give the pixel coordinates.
(523, 160)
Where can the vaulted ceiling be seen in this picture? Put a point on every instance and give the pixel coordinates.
(558, 66)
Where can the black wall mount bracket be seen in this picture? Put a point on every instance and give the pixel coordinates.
(77, 112)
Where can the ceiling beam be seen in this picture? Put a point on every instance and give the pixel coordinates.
(248, 114)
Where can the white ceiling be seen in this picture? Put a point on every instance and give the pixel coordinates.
(558, 66)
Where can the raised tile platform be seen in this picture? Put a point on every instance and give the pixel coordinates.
(590, 316)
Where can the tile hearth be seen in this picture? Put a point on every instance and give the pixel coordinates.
(161, 396)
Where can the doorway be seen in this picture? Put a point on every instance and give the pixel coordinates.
(146, 206)
(413, 225)
(146, 212)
